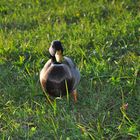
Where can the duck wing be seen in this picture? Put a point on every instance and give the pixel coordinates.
(43, 74)
(74, 71)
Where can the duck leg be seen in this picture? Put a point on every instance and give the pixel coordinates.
(74, 94)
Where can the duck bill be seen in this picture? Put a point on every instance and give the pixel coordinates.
(58, 56)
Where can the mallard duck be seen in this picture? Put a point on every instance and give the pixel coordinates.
(59, 75)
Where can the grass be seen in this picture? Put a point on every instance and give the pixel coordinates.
(102, 37)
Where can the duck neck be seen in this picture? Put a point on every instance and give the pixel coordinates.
(54, 60)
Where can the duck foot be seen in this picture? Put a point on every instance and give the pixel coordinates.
(74, 94)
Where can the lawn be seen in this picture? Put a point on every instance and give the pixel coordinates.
(103, 39)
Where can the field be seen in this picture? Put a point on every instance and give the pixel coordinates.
(103, 39)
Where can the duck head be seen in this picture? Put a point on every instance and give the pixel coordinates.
(56, 51)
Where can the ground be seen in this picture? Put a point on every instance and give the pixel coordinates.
(103, 39)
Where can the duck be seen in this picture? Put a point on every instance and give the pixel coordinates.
(59, 75)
